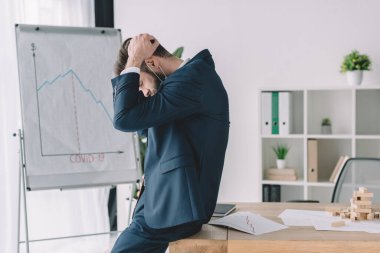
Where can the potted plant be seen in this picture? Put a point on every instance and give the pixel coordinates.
(281, 152)
(353, 65)
(326, 126)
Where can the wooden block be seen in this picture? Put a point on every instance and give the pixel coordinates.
(370, 216)
(342, 215)
(360, 195)
(363, 202)
(362, 216)
(356, 206)
(334, 211)
(338, 223)
(363, 190)
(363, 210)
(377, 215)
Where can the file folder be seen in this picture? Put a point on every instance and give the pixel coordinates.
(312, 160)
(284, 107)
(275, 128)
(266, 113)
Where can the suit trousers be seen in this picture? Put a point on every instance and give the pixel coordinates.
(138, 237)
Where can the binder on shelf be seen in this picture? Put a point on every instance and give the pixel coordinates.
(284, 107)
(266, 113)
(275, 128)
(312, 160)
(271, 193)
(338, 168)
(275, 193)
(266, 192)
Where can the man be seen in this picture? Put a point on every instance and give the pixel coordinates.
(185, 112)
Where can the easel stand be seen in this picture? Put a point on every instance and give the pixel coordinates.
(22, 197)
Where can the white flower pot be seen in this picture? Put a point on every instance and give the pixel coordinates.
(326, 130)
(354, 78)
(280, 164)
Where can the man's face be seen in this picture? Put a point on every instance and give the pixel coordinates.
(148, 84)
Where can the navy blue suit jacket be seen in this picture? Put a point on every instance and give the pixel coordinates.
(188, 126)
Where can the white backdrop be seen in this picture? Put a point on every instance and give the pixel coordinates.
(68, 212)
(259, 43)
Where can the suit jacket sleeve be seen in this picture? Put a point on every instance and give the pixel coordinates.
(174, 100)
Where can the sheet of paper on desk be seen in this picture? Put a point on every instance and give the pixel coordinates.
(248, 222)
(295, 217)
(356, 226)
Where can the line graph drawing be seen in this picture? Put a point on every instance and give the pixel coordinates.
(72, 72)
(71, 116)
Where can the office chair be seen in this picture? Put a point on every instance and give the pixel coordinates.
(358, 172)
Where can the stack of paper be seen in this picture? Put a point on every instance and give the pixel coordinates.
(294, 217)
(356, 226)
(322, 220)
(249, 222)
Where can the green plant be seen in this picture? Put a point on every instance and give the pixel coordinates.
(178, 52)
(326, 122)
(355, 61)
(281, 151)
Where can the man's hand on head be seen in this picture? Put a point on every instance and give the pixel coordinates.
(141, 47)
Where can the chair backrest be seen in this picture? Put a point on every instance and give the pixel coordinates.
(358, 172)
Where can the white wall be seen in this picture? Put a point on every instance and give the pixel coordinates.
(259, 43)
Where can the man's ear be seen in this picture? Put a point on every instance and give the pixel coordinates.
(152, 63)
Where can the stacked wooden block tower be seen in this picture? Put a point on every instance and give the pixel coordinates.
(361, 207)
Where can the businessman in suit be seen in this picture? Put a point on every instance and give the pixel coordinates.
(184, 109)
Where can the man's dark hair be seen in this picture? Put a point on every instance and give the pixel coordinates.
(122, 58)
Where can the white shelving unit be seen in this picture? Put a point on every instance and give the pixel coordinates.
(355, 117)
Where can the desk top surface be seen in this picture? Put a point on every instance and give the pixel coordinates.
(271, 211)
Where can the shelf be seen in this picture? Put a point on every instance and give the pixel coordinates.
(326, 88)
(298, 182)
(329, 151)
(368, 148)
(294, 158)
(333, 104)
(292, 193)
(329, 136)
(367, 137)
(355, 117)
(368, 112)
(370, 87)
(320, 184)
(277, 136)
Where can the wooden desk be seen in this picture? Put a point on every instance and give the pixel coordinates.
(212, 239)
